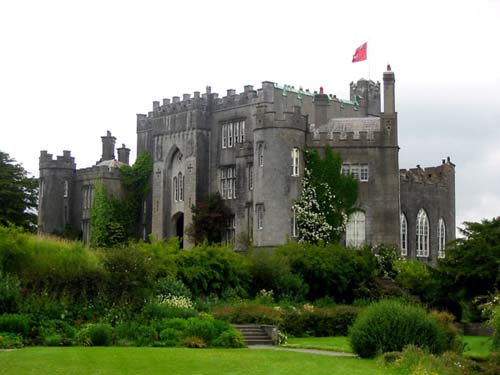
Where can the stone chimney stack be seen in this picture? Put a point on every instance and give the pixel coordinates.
(123, 154)
(108, 147)
(389, 105)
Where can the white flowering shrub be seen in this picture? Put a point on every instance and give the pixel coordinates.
(327, 198)
(179, 302)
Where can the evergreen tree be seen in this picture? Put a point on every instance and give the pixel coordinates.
(18, 194)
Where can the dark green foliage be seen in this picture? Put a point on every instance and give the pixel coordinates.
(386, 257)
(10, 340)
(230, 339)
(18, 194)
(171, 286)
(56, 333)
(176, 324)
(273, 272)
(136, 333)
(10, 294)
(211, 269)
(331, 270)
(16, 323)
(210, 218)
(130, 275)
(388, 326)
(472, 262)
(333, 321)
(162, 311)
(204, 328)
(98, 334)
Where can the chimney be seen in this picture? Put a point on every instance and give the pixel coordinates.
(123, 154)
(389, 99)
(108, 147)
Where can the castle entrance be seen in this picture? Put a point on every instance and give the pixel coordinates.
(179, 228)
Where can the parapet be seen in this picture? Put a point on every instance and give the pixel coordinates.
(64, 161)
(429, 175)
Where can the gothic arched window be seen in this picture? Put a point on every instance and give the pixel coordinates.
(404, 235)
(441, 238)
(355, 229)
(422, 234)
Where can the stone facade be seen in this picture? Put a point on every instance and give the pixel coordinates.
(249, 147)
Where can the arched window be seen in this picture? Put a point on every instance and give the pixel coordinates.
(441, 238)
(176, 189)
(180, 181)
(355, 229)
(404, 235)
(422, 234)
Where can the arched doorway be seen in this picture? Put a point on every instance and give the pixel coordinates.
(179, 227)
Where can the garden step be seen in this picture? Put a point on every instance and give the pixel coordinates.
(254, 335)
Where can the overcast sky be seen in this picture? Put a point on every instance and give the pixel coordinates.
(70, 70)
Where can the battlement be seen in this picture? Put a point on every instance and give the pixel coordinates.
(98, 172)
(429, 175)
(347, 132)
(64, 161)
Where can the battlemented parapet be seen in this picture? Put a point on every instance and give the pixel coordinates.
(64, 161)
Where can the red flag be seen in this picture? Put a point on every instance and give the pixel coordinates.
(360, 54)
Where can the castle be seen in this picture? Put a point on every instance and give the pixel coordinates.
(249, 147)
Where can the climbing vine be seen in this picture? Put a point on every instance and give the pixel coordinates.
(327, 198)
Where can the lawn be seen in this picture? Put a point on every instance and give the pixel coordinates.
(176, 361)
(333, 343)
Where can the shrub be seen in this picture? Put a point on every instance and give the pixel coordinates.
(194, 342)
(175, 323)
(170, 286)
(169, 334)
(248, 313)
(10, 340)
(453, 341)
(159, 311)
(203, 328)
(10, 294)
(134, 333)
(53, 339)
(495, 323)
(16, 323)
(96, 334)
(56, 333)
(230, 339)
(388, 326)
(333, 321)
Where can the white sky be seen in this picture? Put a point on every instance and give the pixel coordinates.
(70, 70)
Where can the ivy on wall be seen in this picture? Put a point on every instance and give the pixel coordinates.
(114, 220)
(327, 198)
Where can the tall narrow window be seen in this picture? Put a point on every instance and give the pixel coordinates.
(260, 216)
(404, 235)
(231, 229)
(180, 181)
(346, 170)
(224, 135)
(295, 161)
(422, 234)
(363, 172)
(42, 188)
(236, 132)
(250, 177)
(66, 189)
(355, 229)
(294, 228)
(230, 135)
(355, 171)
(242, 131)
(228, 182)
(260, 154)
(175, 187)
(441, 238)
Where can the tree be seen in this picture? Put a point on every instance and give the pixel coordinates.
(210, 220)
(18, 194)
(473, 262)
(327, 198)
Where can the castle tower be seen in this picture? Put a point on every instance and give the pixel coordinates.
(367, 94)
(56, 192)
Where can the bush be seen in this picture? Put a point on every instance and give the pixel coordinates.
(388, 326)
(194, 342)
(98, 334)
(10, 340)
(248, 313)
(175, 323)
(133, 333)
(156, 311)
(201, 328)
(53, 339)
(230, 339)
(56, 333)
(495, 323)
(170, 286)
(309, 321)
(10, 294)
(453, 341)
(16, 323)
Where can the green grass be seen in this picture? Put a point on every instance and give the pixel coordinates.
(176, 361)
(477, 346)
(333, 343)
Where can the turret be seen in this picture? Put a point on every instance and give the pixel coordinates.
(367, 94)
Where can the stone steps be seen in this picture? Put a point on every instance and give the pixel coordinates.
(254, 334)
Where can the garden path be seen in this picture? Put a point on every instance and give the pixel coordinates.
(310, 351)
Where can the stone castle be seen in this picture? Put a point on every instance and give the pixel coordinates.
(249, 147)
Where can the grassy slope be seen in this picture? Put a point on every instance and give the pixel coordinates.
(334, 343)
(151, 361)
